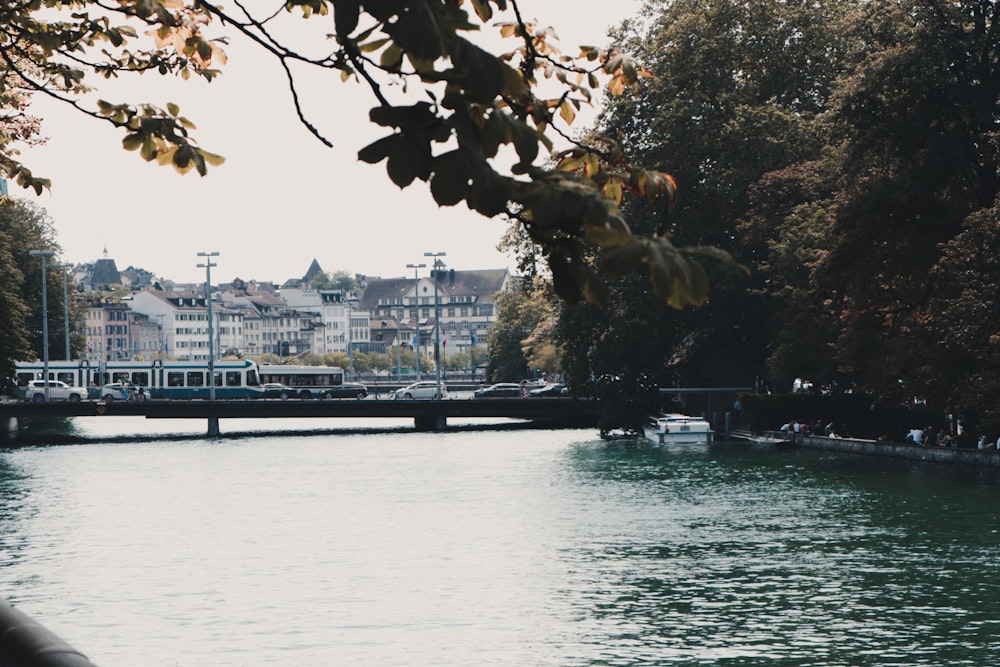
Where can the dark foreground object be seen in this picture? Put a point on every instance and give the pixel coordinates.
(25, 643)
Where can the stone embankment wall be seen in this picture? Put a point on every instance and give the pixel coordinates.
(976, 457)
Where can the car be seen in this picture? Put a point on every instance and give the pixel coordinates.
(549, 391)
(58, 391)
(124, 391)
(346, 390)
(276, 390)
(499, 390)
(424, 389)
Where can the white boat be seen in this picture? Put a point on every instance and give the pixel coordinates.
(674, 429)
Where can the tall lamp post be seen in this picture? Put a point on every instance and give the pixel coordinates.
(437, 316)
(416, 310)
(65, 269)
(44, 254)
(350, 339)
(211, 338)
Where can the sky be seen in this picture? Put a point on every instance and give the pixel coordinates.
(281, 199)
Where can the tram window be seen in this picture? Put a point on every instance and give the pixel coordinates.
(24, 378)
(175, 379)
(252, 379)
(120, 376)
(218, 378)
(141, 379)
(68, 378)
(233, 379)
(195, 379)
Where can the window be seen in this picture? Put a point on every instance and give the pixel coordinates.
(195, 379)
(175, 379)
(234, 379)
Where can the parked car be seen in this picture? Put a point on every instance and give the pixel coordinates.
(500, 390)
(346, 390)
(58, 391)
(276, 390)
(124, 391)
(549, 391)
(425, 389)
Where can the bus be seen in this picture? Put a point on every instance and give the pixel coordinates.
(312, 381)
(164, 379)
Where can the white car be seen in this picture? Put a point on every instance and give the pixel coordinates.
(425, 389)
(120, 391)
(58, 391)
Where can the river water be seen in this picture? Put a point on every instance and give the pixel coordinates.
(496, 547)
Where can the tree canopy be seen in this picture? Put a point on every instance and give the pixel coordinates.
(847, 153)
(477, 127)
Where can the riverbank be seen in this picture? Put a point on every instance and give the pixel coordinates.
(976, 457)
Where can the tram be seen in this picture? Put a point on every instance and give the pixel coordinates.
(307, 381)
(162, 378)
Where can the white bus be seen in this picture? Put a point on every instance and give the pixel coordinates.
(312, 381)
(162, 378)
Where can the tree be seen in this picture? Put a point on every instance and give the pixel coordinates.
(338, 280)
(474, 105)
(25, 227)
(519, 312)
(737, 93)
(914, 154)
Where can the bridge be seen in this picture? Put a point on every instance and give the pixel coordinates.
(428, 415)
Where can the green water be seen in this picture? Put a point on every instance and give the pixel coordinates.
(498, 548)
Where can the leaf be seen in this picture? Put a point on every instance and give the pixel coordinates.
(607, 237)
(450, 180)
(567, 112)
(379, 150)
(624, 259)
(345, 16)
(483, 10)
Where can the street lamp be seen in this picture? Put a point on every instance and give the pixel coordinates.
(416, 309)
(65, 268)
(45, 317)
(208, 298)
(350, 340)
(437, 316)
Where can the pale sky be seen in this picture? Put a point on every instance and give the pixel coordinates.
(282, 198)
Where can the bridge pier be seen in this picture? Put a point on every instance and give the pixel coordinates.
(213, 427)
(431, 423)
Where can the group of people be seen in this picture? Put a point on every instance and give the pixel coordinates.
(802, 428)
(986, 443)
(929, 437)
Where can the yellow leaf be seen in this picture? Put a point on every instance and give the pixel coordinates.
(567, 112)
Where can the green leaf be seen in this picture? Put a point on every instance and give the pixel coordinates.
(345, 16)
(450, 180)
(379, 150)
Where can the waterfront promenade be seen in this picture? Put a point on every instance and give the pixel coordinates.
(894, 450)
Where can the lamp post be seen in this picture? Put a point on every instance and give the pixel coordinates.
(416, 310)
(45, 316)
(211, 339)
(65, 269)
(350, 340)
(437, 316)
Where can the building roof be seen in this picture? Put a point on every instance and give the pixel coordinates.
(480, 284)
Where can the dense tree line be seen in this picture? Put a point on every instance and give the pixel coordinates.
(846, 153)
(25, 227)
